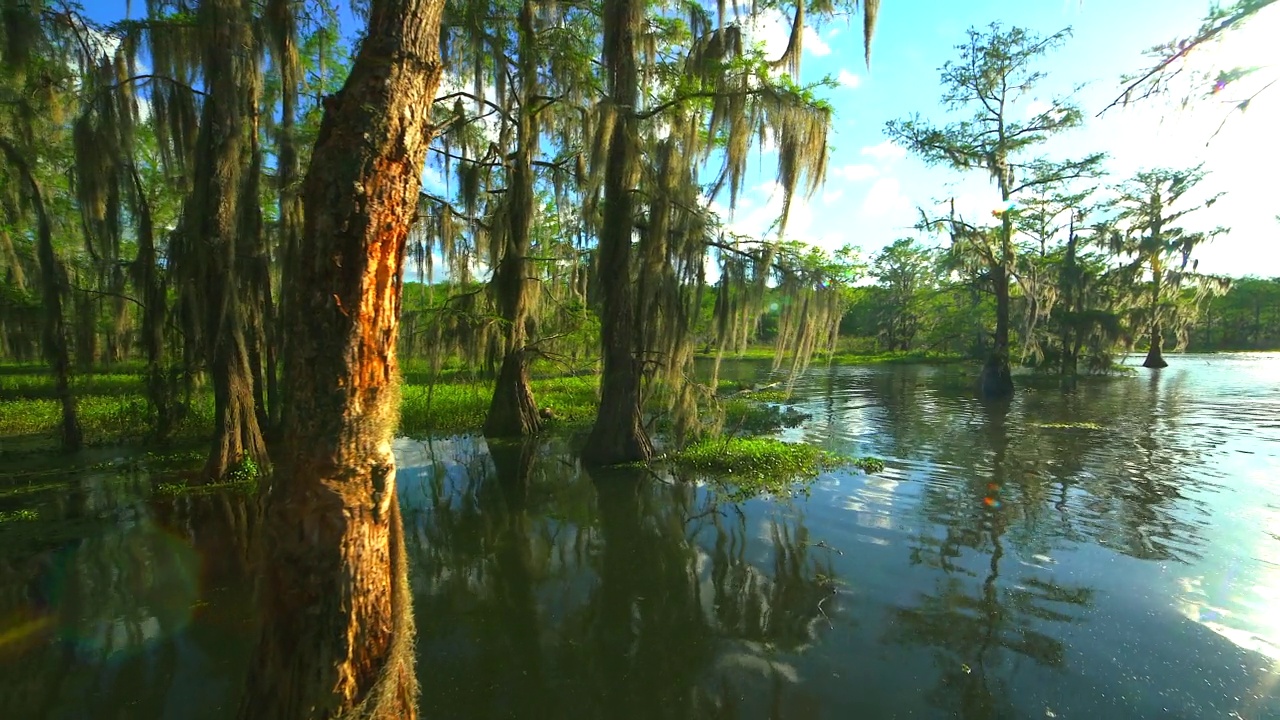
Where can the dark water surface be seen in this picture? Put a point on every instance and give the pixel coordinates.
(1108, 553)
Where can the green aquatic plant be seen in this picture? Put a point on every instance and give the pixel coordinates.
(24, 514)
(1068, 426)
(869, 465)
(771, 396)
(747, 467)
(245, 471)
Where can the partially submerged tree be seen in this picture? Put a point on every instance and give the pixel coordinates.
(715, 98)
(1159, 252)
(337, 634)
(994, 73)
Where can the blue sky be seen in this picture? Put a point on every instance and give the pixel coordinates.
(873, 188)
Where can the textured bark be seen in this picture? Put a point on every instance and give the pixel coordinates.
(337, 638)
(213, 219)
(997, 378)
(53, 288)
(513, 410)
(618, 435)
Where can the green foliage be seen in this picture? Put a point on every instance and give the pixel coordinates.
(245, 471)
(869, 465)
(1247, 317)
(747, 467)
(23, 515)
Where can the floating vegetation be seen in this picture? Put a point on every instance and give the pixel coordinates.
(1068, 426)
(747, 467)
(172, 489)
(869, 465)
(153, 462)
(771, 396)
(24, 515)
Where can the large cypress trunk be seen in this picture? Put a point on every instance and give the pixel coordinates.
(997, 378)
(1155, 354)
(513, 410)
(212, 222)
(337, 637)
(618, 435)
(53, 284)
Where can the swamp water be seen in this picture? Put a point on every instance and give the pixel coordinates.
(1109, 553)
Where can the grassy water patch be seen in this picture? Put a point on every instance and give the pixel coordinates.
(747, 467)
(853, 358)
(454, 408)
(121, 416)
(1068, 426)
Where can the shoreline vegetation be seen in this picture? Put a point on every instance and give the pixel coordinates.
(444, 402)
(448, 401)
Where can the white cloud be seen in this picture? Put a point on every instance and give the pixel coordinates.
(885, 198)
(832, 196)
(814, 44)
(886, 150)
(773, 29)
(855, 173)
(758, 213)
(848, 79)
(1037, 107)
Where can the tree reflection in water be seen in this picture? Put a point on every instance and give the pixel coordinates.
(135, 606)
(976, 624)
(544, 590)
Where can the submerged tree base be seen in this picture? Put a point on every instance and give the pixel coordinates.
(996, 381)
(512, 410)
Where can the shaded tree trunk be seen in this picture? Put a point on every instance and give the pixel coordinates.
(213, 221)
(997, 378)
(151, 287)
(513, 410)
(53, 285)
(337, 638)
(1155, 354)
(618, 435)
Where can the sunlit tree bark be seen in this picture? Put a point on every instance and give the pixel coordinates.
(337, 638)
